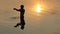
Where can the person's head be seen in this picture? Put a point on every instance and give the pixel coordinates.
(22, 6)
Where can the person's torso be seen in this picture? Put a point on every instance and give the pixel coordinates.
(22, 11)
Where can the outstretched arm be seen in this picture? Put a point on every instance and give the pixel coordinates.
(16, 9)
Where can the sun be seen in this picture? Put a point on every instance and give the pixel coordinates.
(38, 8)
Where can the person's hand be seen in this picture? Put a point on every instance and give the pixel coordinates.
(14, 8)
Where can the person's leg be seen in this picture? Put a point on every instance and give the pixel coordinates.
(17, 24)
(22, 27)
(22, 24)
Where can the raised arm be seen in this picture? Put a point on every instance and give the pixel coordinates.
(16, 9)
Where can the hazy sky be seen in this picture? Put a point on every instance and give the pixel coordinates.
(29, 3)
(46, 23)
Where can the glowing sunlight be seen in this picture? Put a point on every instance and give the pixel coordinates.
(38, 8)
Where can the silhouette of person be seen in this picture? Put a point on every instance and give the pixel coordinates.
(22, 21)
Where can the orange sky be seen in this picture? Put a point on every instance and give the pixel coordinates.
(29, 3)
(35, 23)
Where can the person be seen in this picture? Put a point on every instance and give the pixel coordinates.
(22, 21)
